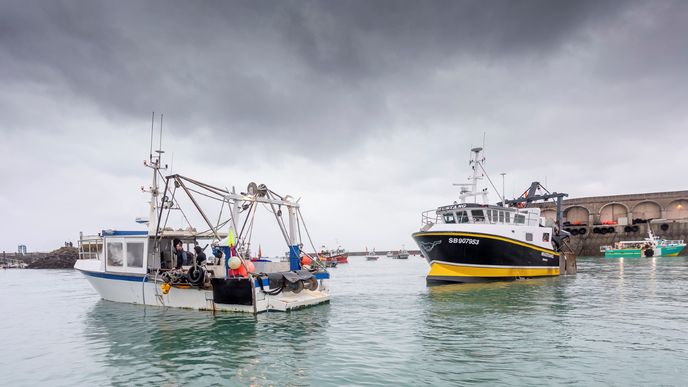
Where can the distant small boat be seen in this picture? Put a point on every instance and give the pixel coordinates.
(402, 254)
(371, 256)
(390, 254)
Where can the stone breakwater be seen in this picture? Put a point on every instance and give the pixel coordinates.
(62, 258)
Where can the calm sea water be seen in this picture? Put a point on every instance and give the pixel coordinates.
(615, 323)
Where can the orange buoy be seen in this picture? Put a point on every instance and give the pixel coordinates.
(306, 260)
(250, 267)
(240, 272)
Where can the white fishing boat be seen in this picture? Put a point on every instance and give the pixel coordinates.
(402, 254)
(144, 267)
(371, 256)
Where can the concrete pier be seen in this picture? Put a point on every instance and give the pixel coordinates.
(623, 217)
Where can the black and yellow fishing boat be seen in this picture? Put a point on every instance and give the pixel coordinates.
(472, 242)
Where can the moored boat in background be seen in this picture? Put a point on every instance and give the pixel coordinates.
(338, 255)
(647, 248)
(401, 254)
(371, 256)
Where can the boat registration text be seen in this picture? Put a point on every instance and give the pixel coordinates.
(467, 241)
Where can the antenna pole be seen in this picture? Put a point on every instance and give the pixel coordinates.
(503, 191)
(150, 155)
(160, 146)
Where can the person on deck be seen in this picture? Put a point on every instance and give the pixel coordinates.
(182, 256)
(200, 255)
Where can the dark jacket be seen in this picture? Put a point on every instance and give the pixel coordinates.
(182, 259)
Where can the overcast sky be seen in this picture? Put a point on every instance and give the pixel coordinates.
(364, 109)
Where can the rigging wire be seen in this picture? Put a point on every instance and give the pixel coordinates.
(298, 210)
(490, 180)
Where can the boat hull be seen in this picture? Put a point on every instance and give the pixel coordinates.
(141, 289)
(340, 258)
(663, 251)
(480, 257)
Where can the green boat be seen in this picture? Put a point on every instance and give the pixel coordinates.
(648, 248)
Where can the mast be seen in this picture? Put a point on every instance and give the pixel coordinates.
(294, 248)
(155, 163)
(476, 165)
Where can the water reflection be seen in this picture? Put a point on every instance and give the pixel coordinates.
(178, 347)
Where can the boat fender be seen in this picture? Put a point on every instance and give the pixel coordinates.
(582, 231)
(664, 226)
(636, 228)
(234, 263)
(603, 230)
(628, 229)
(595, 230)
(165, 287)
(610, 230)
(649, 252)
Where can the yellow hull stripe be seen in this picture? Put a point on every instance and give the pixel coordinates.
(444, 270)
(489, 237)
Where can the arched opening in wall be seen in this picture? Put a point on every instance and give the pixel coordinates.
(576, 215)
(678, 209)
(611, 213)
(647, 210)
(550, 217)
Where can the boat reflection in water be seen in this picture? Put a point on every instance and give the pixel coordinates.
(170, 346)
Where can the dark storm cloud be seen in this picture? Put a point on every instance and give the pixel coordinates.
(317, 72)
(386, 97)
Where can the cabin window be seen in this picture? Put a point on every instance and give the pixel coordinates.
(478, 215)
(489, 216)
(461, 217)
(135, 254)
(501, 216)
(529, 237)
(115, 254)
(508, 217)
(519, 219)
(545, 237)
(449, 218)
